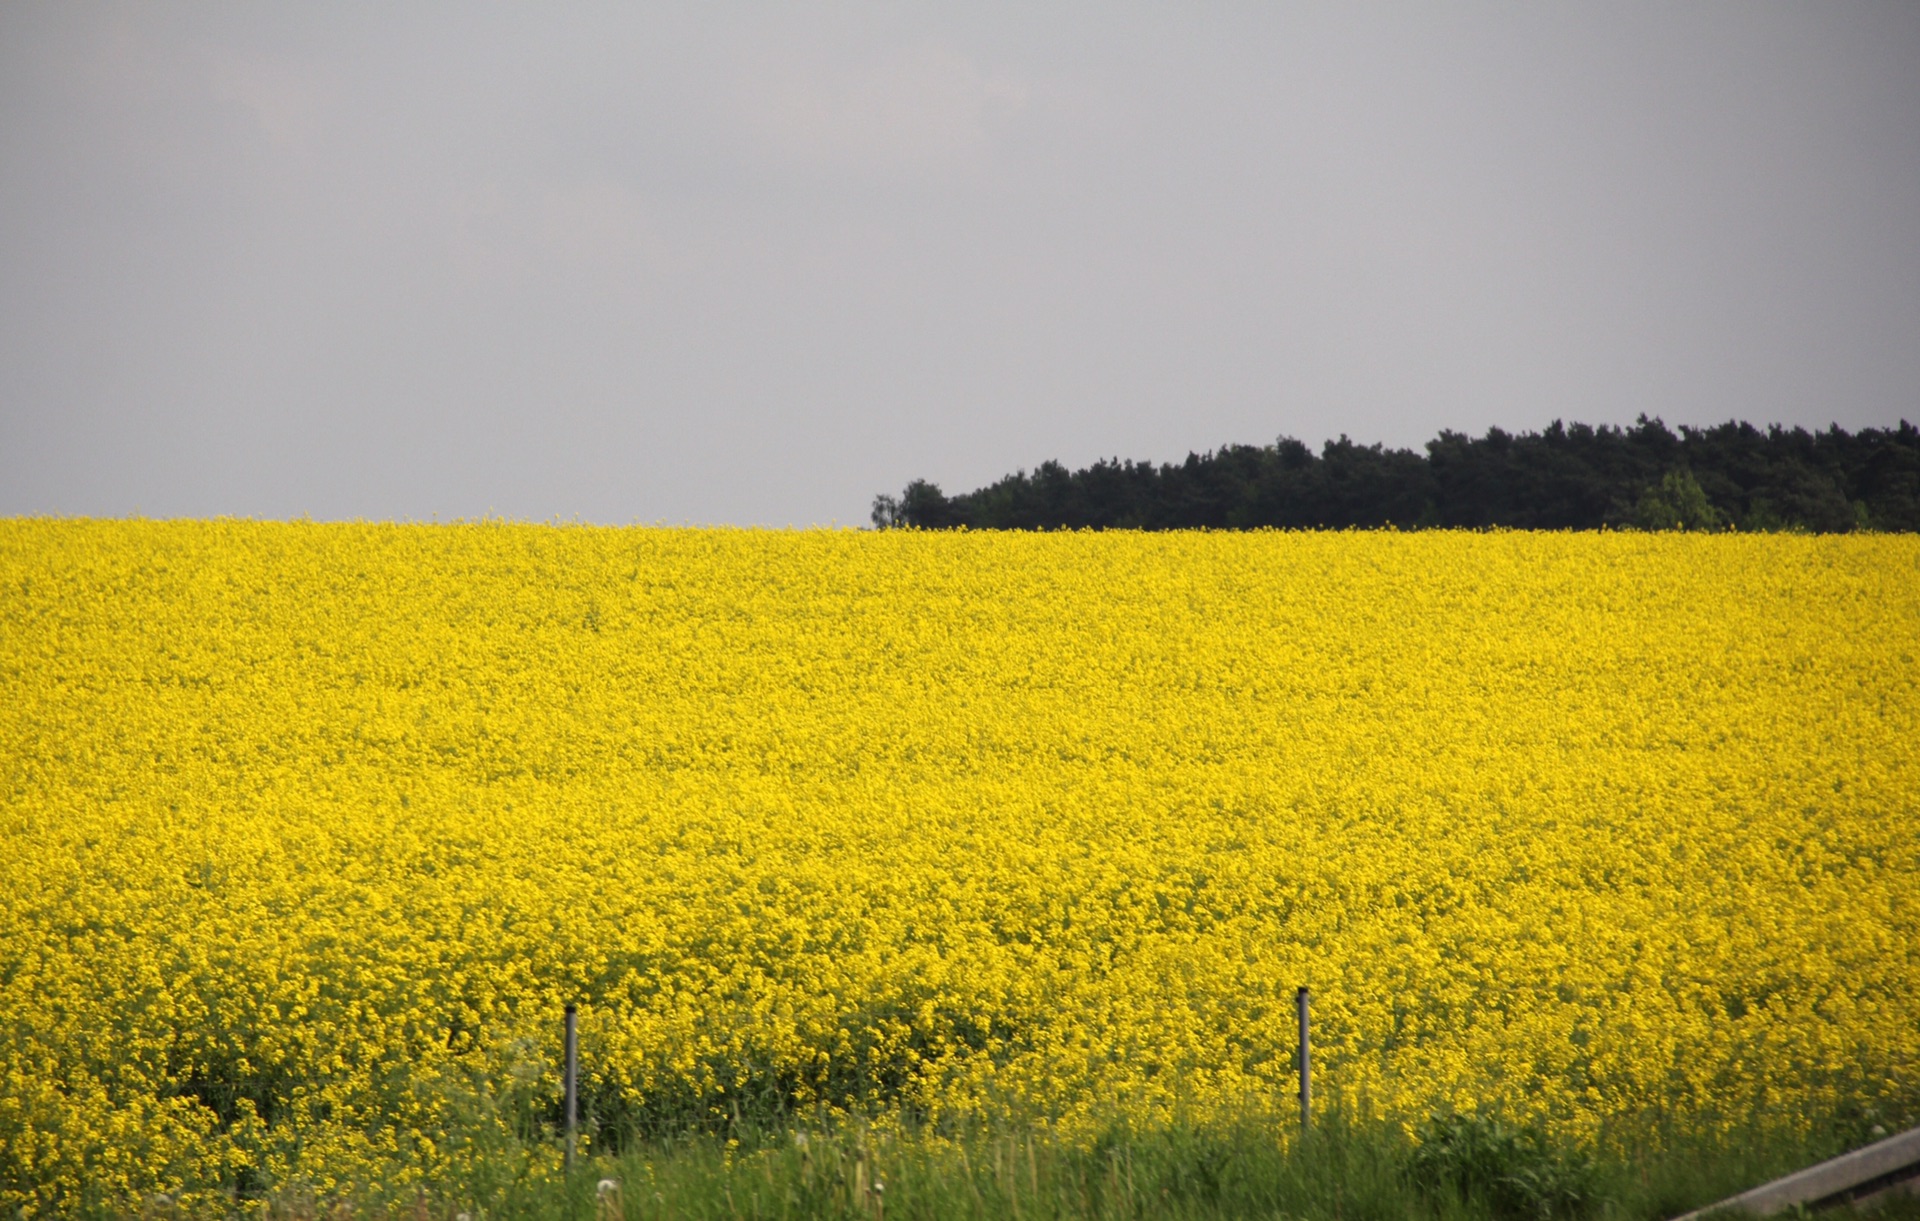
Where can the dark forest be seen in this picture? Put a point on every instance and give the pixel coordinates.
(1568, 477)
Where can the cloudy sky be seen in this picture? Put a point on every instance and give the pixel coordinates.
(754, 264)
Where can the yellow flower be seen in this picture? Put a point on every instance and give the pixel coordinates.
(308, 831)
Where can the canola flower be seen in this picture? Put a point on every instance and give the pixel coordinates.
(308, 831)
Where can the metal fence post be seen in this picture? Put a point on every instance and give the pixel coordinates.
(1306, 1063)
(573, 1081)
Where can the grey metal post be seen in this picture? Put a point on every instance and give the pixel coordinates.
(573, 1080)
(1306, 1063)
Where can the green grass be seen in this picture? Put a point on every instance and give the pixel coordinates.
(1452, 1171)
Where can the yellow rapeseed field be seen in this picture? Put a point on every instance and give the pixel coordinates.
(308, 831)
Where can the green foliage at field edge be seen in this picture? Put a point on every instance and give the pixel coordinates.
(1452, 1168)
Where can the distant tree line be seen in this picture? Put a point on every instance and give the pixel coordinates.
(1731, 476)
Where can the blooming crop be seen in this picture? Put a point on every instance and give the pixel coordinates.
(308, 831)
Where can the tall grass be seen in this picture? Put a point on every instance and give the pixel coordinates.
(1459, 1169)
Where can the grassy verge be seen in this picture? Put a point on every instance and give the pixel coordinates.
(1451, 1171)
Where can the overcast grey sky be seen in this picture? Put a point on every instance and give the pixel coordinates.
(756, 263)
